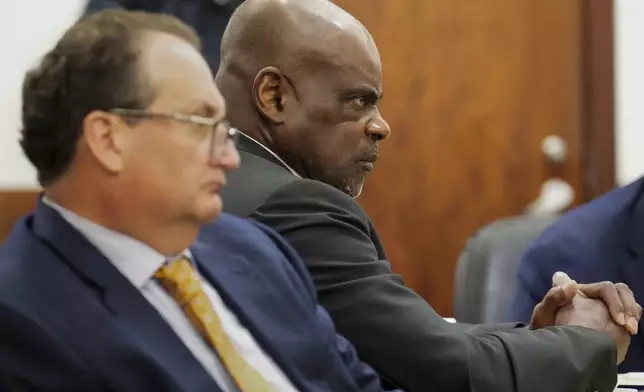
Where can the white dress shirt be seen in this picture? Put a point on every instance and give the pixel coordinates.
(138, 263)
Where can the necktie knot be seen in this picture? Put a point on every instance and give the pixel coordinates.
(180, 280)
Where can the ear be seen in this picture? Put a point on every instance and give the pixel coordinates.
(270, 93)
(105, 135)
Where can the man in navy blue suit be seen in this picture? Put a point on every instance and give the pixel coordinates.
(602, 240)
(102, 287)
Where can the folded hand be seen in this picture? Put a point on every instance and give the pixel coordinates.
(605, 307)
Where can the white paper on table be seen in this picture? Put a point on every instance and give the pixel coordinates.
(624, 381)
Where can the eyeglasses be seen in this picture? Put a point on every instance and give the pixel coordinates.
(222, 134)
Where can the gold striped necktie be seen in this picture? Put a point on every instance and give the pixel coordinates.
(183, 283)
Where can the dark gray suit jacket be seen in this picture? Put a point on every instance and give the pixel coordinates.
(392, 327)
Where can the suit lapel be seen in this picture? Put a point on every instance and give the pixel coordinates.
(244, 291)
(139, 319)
(633, 269)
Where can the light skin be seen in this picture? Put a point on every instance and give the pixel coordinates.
(306, 86)
(154, 179)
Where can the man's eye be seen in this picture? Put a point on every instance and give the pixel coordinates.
(358, 103)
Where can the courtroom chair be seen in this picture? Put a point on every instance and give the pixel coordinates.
(486, 272)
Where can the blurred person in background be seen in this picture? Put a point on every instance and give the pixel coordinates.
(102, 287)
(302, 79)
(602, 240)
(208, 17)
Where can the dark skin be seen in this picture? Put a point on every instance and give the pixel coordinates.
(323, 123)
(582, 310)
(339, 126)
(307, 84)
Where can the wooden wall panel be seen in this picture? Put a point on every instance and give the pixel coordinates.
(13, 205)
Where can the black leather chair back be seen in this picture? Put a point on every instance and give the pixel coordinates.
(486, 273)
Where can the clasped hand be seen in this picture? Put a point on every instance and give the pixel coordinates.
(606, 307)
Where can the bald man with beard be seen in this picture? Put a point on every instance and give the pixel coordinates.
(302, 79)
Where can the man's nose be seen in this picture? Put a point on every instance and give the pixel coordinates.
(229, 158)
(378, 129)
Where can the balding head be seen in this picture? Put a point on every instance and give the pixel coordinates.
(303, 77)
(268, 29)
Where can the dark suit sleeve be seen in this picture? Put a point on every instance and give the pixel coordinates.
(364, 376)
(31, 360)
(399, 334)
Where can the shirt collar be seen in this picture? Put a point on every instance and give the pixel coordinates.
(135, 260)
(280, 160)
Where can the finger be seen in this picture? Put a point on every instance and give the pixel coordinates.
(545, 312)
(559, 278)
(559, 296)
(562, 279)
(632, 310)
(607, 292)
